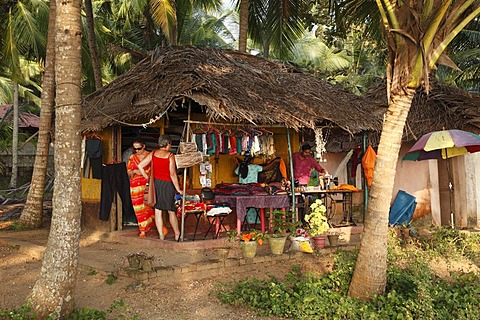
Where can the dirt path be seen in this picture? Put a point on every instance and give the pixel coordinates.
(184, 296)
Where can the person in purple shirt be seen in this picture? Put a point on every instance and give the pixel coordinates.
(303, 162)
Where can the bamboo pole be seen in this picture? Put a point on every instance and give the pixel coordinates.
(187, 133)
(292, 178)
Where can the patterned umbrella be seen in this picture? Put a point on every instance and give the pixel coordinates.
(443, 145)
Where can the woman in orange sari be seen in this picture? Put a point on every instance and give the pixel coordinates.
(145, 214)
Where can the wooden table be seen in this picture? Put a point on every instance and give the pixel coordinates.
(241, 203)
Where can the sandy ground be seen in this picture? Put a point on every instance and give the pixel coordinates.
(183, 299)
(20, 262)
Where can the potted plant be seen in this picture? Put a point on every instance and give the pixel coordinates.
(333, 235)
(281, 227)
(318, 224)
(248, 241)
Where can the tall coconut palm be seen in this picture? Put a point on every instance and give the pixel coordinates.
(92, 44)
(205, 30)
(417, 34)
(32, 213)
(170, 15)
(21, 34)
(53, 292)
(271, 24)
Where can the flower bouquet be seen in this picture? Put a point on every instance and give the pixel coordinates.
(318, 222)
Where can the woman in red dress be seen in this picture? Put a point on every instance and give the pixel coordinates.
(166, 183)
(144, 213)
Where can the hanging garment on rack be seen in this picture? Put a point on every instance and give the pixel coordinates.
(271, 146)
(115, 179)
(239, 145)
(233, 145)
(93, 158)
(199, 141)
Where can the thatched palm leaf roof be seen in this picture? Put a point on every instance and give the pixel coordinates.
(444, 107)
(231, 85)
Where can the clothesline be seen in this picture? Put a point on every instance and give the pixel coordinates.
(234, 124)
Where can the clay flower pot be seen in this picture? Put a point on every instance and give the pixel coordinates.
(249, 249)
(277, 244)
(319, 241)
(333, 239)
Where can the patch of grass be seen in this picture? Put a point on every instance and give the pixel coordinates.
(111, 279)
(92, 272)
(118, 310)
(16, 226)
(413, 290)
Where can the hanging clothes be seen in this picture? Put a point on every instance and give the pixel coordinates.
(93, 158)
(368, 164)
(115, 179)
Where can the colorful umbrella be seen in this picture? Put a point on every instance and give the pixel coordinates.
(443, 145)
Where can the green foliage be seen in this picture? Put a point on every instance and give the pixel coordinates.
(413, 291)
(16, 226)
(22, 313)
(282, 223)
(92, 272)
(111, 279)
(118, 310)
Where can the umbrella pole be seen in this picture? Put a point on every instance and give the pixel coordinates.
(450, 191)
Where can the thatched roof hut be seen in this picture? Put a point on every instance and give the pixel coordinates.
(230, 85)
(445, 107)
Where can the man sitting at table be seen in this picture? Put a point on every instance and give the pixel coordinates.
(303, 163)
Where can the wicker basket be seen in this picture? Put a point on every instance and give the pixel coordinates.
(187, 147)
(186, 160)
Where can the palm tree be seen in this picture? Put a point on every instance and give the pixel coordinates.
(22, 34)
(32, 213)
(92, 44)
(53, 293)
(272, 25)
(417, 34)
(205, 30)
(171, 15)
(465, 51)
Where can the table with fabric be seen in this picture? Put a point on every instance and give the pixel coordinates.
(241, 203)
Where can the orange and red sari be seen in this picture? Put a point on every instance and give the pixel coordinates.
(145, 214)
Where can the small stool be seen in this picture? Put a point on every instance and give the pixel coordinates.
(198, 216)
(216, 216)
(216, 220)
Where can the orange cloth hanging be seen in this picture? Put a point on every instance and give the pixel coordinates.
(368, 163)
(283, 169)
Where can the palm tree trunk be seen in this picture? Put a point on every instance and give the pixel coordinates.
(242, 35)
(369, 277)
(92, 45)
(13, 178)
(54, 290)
(32, 214)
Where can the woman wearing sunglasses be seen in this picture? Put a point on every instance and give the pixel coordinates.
(145, 214)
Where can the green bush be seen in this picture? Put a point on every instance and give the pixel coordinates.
(413, 290)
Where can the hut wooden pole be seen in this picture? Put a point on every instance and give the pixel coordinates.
(365, 185)
(187, 133)
(292, 186)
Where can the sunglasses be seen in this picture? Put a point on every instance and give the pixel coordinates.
(138, 148)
